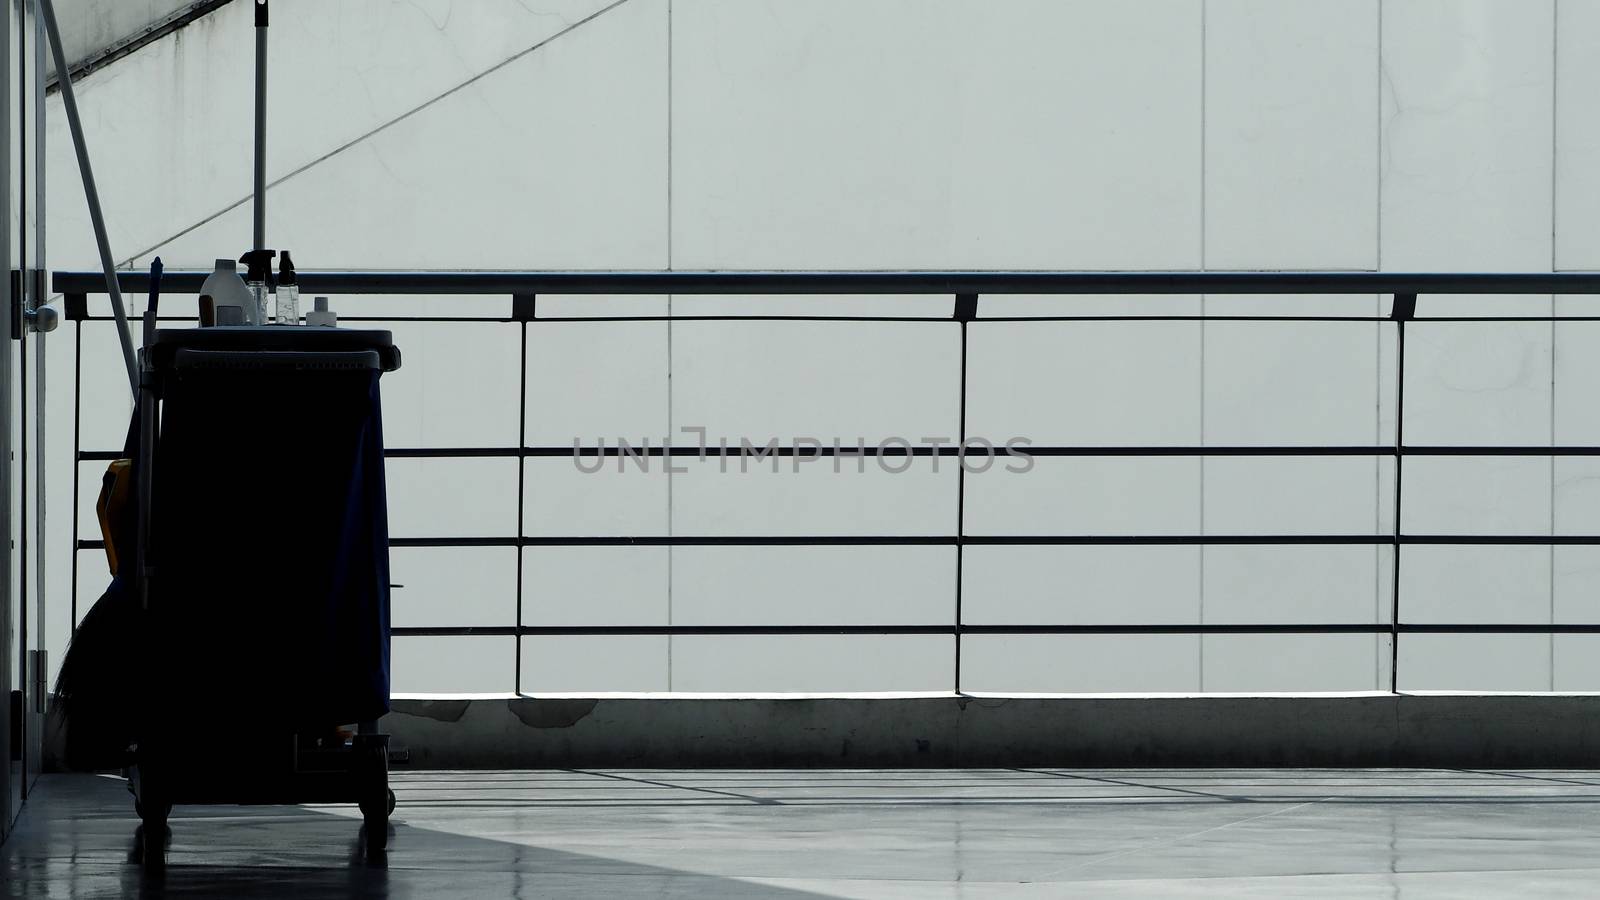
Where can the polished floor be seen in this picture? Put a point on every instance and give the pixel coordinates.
(776, 835)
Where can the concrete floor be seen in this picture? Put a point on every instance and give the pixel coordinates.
(862, 834)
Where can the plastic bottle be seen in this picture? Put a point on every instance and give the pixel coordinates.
(259, 263)
(288, 292)
(228, 291)
(321, 315)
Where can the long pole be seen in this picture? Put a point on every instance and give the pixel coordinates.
(260, 235)
(90, 193)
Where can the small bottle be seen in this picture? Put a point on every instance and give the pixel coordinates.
(260, 271)
(227, 291)
(321, 315)
(288, 292)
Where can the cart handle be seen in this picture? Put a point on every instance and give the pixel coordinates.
(276, 360)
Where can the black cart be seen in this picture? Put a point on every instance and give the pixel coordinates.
(262, 562)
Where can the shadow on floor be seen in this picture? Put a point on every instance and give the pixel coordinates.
(77, 838)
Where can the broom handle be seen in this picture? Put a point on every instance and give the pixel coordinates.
(70, 102)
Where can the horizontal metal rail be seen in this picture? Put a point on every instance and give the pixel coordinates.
(905, 282)
(991, 540)
(1373, 628)
(923, 451)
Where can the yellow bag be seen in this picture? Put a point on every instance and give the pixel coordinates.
(112, 508)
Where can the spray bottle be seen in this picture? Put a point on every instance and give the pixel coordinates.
(288, 292)
(259, 263)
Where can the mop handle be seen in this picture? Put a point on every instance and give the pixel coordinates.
(260, 236)
(155, 301)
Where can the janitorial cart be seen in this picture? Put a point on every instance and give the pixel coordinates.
(261, 560)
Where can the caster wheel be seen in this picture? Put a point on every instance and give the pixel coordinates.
(153, 847)
(377, 810)
(166, 811)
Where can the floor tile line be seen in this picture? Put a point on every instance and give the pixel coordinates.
(761, 801)
(1162, 842)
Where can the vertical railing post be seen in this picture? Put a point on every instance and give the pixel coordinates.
(966, 309)
(1405, 308)
(523, 310)
(76, 310)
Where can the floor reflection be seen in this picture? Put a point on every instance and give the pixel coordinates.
(784, 835)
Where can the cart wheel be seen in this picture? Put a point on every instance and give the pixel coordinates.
(377, 801)
(166, 811)
(375, 809)
(375, 826)
(150, 803)
(153, 846)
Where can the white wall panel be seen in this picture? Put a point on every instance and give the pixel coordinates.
(1577, 584)
(1291, 123)
(1078, 585)
(1256, 495)
(457, 386)
(1086, 495)
(560, 500)
(1577, 375)
(783, 496)
(1467, 74)
(913, 134)
(591, 382)
(813, 585)
(823, 380)
(1138, 305)
(452, 497)
(1479, 383)
(1084, 383)
(1257, 663)
(894, 306)
(812, 663)
(600, 306)
(1485, 495)
(453, 586)
(1475, 584)
(1576, 661)
(1057, 171)
(617, 586)
(1297, 305)
(1577, 495)
(1080, 663)
(1285, 383)
(1577, 134)
(1475, 662)
(594, 664)
(1293, 584)
(453, 665)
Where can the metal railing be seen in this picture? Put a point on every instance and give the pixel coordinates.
(965, 290)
